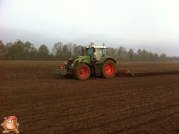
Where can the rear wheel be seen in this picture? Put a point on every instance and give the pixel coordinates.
(108, 69)
(82, 72)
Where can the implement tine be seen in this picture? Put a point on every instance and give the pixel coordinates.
(124, 73)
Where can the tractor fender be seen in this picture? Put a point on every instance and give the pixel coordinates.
(77, 61)
(108, 59)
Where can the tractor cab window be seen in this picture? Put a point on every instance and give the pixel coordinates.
(89, 51)
(103, 51)
(100, 52)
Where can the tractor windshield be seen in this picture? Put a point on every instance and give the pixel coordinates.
(89, 51)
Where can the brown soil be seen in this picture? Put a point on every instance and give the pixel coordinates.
(45, 103)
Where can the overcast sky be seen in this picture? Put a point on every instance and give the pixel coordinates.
(146, 24)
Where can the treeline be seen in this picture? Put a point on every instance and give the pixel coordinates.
(19, 50)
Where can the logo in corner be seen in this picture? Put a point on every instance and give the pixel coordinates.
(10, 124)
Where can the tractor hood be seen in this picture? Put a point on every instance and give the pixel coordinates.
(85, 59)
(80, 59)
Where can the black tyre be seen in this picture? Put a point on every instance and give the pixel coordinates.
(108, 69)
(82, 72)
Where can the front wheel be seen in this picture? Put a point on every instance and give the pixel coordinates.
(82, 72)
(108, 69)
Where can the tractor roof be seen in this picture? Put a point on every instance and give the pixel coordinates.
(96, 46)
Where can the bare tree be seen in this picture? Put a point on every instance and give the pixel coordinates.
(57, 50)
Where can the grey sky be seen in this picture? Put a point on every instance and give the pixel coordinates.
(146, 24)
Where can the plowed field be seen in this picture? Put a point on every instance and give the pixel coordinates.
(45, 103)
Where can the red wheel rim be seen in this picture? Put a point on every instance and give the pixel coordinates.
(109, 69)
(83, 72)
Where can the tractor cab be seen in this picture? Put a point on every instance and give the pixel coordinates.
(96, 52)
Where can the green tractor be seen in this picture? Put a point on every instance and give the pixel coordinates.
(93, 60)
